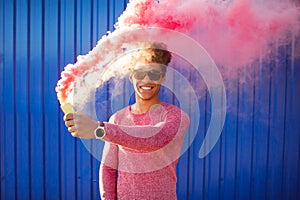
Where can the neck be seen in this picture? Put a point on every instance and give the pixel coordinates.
(142, 105)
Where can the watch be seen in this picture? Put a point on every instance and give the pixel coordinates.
(99, 131)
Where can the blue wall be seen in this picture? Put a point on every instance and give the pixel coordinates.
(257, 156)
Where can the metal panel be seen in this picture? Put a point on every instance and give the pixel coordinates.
(8, 190)
(257, 156)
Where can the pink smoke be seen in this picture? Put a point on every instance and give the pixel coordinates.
(235, 33)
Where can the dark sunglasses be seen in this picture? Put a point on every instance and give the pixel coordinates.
(154, 75)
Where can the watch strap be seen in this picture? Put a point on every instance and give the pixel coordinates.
(101, 124)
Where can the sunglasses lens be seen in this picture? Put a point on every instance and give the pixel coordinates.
(139, 75)
(154, 75)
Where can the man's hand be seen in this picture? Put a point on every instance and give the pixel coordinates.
(80, 125)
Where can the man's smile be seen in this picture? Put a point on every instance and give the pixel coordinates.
(147, 88)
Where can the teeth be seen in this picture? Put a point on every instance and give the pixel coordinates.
(146, 88)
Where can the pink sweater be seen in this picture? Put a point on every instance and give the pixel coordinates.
(141, 152)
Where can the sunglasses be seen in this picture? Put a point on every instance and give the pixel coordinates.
(154, 75)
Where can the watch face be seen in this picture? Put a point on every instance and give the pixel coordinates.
(99, 132)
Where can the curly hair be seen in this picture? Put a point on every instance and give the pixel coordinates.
(156, 53)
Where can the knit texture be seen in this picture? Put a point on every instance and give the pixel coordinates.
(141, 152)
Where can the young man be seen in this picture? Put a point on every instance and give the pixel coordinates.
(142, 141)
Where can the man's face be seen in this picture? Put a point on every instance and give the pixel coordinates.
(147, 80)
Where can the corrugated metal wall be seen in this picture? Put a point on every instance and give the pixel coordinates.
(257, 156)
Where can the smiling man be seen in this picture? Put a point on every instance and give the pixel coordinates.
(143, 140)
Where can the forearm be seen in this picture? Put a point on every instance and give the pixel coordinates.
(108, 183)
(122, 135)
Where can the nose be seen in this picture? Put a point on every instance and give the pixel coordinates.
(145, 78)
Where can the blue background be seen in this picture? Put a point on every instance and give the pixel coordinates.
(257, 156)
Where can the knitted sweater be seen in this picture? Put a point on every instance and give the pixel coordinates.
(141, 152)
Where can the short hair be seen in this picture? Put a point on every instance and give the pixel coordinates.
(156, 53)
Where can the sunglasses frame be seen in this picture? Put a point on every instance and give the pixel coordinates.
(149, 73)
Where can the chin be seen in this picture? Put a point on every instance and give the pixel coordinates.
(145, 98)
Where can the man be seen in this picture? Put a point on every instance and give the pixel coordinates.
(142, 141)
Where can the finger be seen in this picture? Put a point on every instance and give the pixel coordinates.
(75, 134)
(69, 123)
(72, 129)
(69, 116)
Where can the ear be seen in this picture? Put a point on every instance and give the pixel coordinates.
(163, 80)
(130, 78)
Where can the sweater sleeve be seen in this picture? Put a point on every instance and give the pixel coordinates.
(108, 172)
(147, 138)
